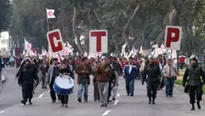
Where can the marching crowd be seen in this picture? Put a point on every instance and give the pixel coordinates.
(106, 71)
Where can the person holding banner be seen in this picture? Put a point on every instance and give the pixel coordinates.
(83, 71)
(170, 74)
(194, 82)
(103, 73)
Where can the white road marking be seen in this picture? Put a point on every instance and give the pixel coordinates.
(2, 112)
(106, 112)
(41, 95)
(118, 95)
(116, 102)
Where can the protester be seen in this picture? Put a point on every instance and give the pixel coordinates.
(151, 77)
(27, 78)
(130, 73)
(194, 72)
(103, 73)
(83, 71)
(52, 74)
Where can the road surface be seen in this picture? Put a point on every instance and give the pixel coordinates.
(10, 92)
(123, 106)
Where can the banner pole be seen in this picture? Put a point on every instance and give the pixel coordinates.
(49, 50)
(170, 64)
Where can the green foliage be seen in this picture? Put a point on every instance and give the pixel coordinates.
(179, 82)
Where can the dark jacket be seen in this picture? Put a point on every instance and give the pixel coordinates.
(103, 73)
(194, 74)
(116, 67)
(151, 73)
(83, 71)
(44, 69)
(66, 71)
(27, 75)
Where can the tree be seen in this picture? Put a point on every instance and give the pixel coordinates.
(142, 20)
(4, 14)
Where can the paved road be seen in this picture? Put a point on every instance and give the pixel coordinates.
(124, 105)
(10, 93)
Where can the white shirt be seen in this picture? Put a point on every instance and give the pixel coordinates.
(166, 70)
(142, 66)
(130, 69)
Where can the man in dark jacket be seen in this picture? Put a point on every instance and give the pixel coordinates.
(27, 75)
(151, 76)
(52, 74)
(194, 72)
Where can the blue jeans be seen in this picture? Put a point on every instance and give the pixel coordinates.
(130, 86)
(169, 83)
(83, 89)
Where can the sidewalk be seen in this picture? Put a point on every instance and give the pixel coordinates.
(124, 105)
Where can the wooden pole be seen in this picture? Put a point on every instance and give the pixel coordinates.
(170, 67)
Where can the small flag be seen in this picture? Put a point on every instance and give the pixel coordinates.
(50, 13)
(27, 46)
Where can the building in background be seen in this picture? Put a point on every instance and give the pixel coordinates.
(4, 43)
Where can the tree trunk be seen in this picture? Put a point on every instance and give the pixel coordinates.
(125, 29)
(115, 45)
(75, 33)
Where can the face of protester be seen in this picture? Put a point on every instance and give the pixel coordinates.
(193, 61)
(85, 61)
(44, 62)
(55, 62)
(105, 61)
(151, 60)
(64, 66)
(169, 62)
(130, 61)
(27, 63)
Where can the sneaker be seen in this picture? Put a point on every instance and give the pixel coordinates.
(54, 101)
(102, 105)
(149, 101)
(85, 100)
(66, 105)
(198, 105)
(153, 101)
(62, 105)
(113, 98)
(23, 102)
(30, 103)
(79, 100)
(105, 105)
